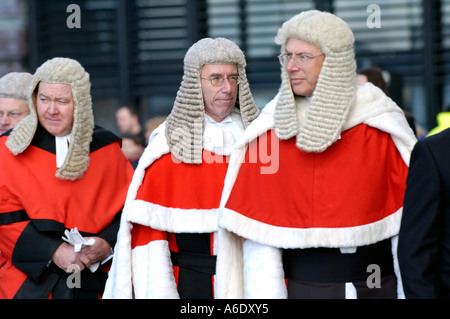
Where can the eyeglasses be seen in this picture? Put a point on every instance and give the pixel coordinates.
(300, 60)
(218, 80)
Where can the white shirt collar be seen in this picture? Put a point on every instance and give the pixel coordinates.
(224, 122)
(219, 137)
(62, 148)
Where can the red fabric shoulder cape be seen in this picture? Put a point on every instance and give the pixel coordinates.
(357, 181)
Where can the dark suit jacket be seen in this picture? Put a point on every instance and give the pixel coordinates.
(424, 240)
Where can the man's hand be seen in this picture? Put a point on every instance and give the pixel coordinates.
(96, 253)
(64, 256)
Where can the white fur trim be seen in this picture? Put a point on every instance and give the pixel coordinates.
(350, 291)
(152, 272)
(287, 237)
(119, 282)
(394, 245)
(229, 283)
(263, 272)
(174, 220)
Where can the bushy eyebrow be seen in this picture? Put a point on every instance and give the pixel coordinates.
(42, 95)
(219, 74)
(299, 53)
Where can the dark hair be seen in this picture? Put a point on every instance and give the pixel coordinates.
(375, 76)
(137, 139)
(132, 109)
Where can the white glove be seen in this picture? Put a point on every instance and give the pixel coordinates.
(74, 238)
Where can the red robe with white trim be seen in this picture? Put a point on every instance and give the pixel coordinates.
(277, 196)
(36, 207)
(313, 188)
(167, 243)
(185, 188)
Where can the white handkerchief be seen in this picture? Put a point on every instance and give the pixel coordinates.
(74, 238)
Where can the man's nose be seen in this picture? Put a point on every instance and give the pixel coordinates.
(4, 120)
(226, 85)
(52, 108)
(291, 66)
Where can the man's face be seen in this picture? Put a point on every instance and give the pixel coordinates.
(55, 107)
(219, 100)
(125, 120)
(11, 112)
(304, 79)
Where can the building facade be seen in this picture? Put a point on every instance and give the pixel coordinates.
(134, 49)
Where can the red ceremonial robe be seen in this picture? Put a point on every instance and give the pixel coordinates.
(364, 163)
(192, 192)
(36, 208)
(277, 197)
(326, 200)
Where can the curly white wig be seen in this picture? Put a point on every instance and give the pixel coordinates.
(185, 124)
(335, 90)
(61, 71)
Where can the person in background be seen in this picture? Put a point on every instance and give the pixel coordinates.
(132, 148)
(443, 122)
(127, 121)
(63, 184)
(151, 125)
(167, 241)
(13, 99)
(330, 205)
(373, 75)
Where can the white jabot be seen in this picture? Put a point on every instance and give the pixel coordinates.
(219, 138)
(62, 148)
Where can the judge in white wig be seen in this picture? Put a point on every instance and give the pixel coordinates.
(167, 242)
(326, 201)
(59, 172)
(13, 99)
